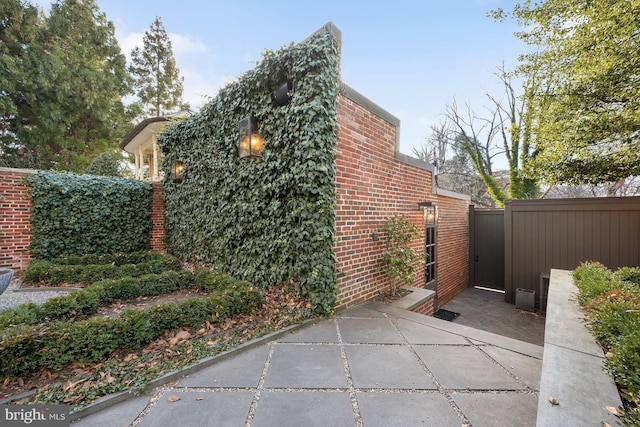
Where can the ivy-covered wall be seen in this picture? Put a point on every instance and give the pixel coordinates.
(73, 215)
(271, 220)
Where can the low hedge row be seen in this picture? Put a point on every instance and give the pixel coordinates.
(54, 272)
(115, 259)
(52, 345)
(611, 301)
(88, 300)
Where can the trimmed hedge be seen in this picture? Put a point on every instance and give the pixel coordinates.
(26, 348)
(86, 214)
(54, 273)
(115, 259)
(88, 300)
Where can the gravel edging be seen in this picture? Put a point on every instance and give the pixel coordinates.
(16, 295)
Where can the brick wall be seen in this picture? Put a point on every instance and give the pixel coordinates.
(371, 185)
(453, 247)
(15, 212)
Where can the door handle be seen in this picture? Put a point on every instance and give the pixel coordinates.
(477, 258)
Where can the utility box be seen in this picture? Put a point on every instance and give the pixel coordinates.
(525, 299)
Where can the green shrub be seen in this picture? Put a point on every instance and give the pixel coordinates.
(73, 215)
(611, 317)
(630, 275)
(88, 300)
(53, 273)
(624, 367)
(54, 345)
(593, 279)
(612, 307)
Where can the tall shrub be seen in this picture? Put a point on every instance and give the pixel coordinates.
(270, 221)
(73, 215)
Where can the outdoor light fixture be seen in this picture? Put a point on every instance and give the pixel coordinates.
(429, 212)
(250, 143)
(176, 170)
(280, 96)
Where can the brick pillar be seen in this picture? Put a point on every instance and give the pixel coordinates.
(157, 218)
(15, 216)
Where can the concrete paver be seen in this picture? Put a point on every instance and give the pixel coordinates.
(388, 366)
(406, 409)
(374, 365)
(243, 370)
(199, 408)
(311, 408)
(466, 368)
(306, 366)
(498, 409)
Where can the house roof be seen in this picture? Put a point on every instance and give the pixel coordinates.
(146, 128)
(142, 132)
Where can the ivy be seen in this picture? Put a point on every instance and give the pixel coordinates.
(74, 215)
(270, 221)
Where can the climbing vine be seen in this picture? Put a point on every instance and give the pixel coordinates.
(270, 221)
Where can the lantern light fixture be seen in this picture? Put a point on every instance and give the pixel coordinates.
(429, 213)
(177, 168)
(250, 143)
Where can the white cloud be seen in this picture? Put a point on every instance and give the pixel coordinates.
(186, 45)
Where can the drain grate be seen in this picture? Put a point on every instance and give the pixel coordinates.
(447, 315)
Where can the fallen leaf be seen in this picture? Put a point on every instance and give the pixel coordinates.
(612, 410)
(604, 424)
(173, 399)
(199, 398)
(20, 382)
(554, 401)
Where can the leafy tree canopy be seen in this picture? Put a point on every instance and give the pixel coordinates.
(106, 164)
(584, 98)
(66, 76)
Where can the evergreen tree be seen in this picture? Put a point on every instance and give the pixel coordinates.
(158, 84)
(106, 164)
(67, 103)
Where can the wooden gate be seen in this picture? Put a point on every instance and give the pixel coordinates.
(486, 247)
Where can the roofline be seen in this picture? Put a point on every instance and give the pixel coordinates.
(139, 127)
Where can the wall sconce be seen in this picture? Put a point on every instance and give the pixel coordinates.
(176, 170)
(250, 143)
(280, 96)
(429, 213)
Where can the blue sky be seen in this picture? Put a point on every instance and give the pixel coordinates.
(411, 57)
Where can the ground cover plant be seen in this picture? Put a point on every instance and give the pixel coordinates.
(120, 333)
(611, 300)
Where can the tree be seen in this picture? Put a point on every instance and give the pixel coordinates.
(454, 171)
(504, 130)
(157, 80)
(19, 26)
(106, 164)
(67, 98)
(584, 109)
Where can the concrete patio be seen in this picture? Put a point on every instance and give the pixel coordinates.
(373, 365)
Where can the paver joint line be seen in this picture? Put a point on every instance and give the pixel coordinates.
(352, 391)
(439, 387)
(256, 396)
